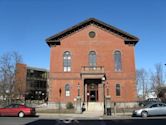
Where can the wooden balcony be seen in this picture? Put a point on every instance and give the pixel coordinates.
(92, 70)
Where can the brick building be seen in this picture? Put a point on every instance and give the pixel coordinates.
(92, 60)
(32, 82)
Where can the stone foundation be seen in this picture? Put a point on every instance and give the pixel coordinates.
(55, 105)
(125, 104)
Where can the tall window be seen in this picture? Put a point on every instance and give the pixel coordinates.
(67, 61)
(117, 89)
(67, 90)
(117, 60)
(92, 58)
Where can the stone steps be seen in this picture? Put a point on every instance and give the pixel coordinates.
(94, 108)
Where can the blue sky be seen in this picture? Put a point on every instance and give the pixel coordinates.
(25, 24)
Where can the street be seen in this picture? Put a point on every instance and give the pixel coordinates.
(77, 121)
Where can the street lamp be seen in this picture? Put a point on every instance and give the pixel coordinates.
(7, 96)
(36, 94)
(39, 95)
(60, 91)
(103, 81)
(78, 104)
(78, 87)
(103, 78)
(107, 86)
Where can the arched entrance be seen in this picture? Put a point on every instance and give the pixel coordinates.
(93, 95)
(92, 92)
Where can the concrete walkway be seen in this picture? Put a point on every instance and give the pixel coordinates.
(83, 116)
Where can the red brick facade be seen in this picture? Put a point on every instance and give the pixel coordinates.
(107, 40)
(20, 86)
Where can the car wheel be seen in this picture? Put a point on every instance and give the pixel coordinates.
(21, 114)
(144, 114)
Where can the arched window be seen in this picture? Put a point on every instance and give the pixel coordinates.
(67, 61)
(117, 89)
(92, 58)
(117, 61)
(67, 90)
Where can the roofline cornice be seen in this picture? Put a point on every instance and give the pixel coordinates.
(55, 39)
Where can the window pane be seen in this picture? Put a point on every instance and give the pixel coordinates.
(67, 61)
(67, 90)
(117, 59)
(67, 93)
(65, 57)
(117, 89)
(68, 68)
(67, 87)
(92, 58)
(65, 69)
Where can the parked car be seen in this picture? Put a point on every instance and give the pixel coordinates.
(17, 110)
(152, 109)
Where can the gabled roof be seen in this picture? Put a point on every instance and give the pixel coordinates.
(128, 38)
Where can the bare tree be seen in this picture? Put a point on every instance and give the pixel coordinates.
(8, 63)
(157, 78)
(142, 82)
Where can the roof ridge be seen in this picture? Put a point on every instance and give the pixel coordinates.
(127, 37)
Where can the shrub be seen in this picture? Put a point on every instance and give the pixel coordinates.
(69, 105)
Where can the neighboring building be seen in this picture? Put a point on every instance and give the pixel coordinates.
(33, 82)
(92, 60)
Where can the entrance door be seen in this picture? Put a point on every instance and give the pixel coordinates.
(92, 92)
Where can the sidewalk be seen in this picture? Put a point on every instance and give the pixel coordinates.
(83, 116)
